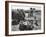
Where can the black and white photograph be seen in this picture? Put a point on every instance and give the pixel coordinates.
(25, 18)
